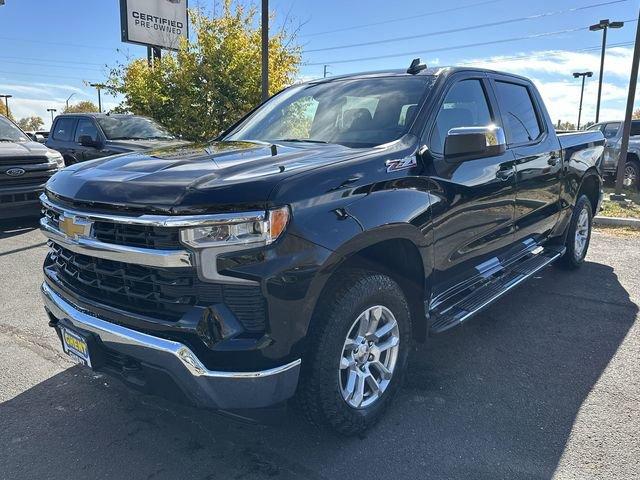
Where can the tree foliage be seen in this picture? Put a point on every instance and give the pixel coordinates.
(84, 106)
(636, 114)
(3, 110)
(211, 82)
(31, 123)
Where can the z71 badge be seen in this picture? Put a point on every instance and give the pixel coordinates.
(401, 163)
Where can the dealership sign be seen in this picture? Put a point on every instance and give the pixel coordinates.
(155, 23)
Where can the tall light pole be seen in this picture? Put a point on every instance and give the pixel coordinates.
(69, 98)
(52, 111)
(603, 25)
(98, 86)
(265, 49)
(583, 75)
(626, 126)
(6, 102)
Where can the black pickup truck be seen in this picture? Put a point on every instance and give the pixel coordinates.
(302, 252)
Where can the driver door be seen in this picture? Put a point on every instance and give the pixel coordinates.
(473, 211)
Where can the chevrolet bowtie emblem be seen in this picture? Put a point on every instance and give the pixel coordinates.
(74, 227)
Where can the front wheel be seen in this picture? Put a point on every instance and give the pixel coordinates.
(579, 234)
(358, 354)
(632, 175)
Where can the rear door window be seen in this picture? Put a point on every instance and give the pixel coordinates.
(519, 115)
(610, 130)
(64, 128)
(635, 128)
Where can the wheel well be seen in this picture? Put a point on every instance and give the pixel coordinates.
(401, 260)
(591, 188)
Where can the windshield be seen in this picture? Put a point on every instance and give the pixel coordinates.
(10, 133)
(132, 128)
(356, 113)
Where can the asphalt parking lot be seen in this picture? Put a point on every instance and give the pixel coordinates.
(544, 384)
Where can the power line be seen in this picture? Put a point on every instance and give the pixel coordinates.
(456, 47)
(53, 66)
(41, 75)
(402, 19)
(464, 29)
(47, 42)
(49, 60)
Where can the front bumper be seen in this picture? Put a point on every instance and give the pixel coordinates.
(206, 388)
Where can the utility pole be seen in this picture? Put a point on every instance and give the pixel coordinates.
(69, 98)
(603, 25)
(626, 128)
(98, 86)
(583, 75)
(265, 50)
(52, 110)
(6, 102)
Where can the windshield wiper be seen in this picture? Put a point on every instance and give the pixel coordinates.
(301, 140)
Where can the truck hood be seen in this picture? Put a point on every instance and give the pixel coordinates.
(193, 178)
(22, 149)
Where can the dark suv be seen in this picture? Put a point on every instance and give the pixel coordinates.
(86, 136)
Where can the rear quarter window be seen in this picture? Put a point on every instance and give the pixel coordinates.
(63, 129)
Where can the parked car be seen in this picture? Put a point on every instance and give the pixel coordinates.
(25, 166)
(306, 249)
(87, 136)
(39, 136)
(612, 132)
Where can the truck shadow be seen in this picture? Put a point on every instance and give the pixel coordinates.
(17, 226)
(496, 398)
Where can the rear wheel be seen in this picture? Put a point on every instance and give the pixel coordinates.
(579, 234)
(360, 343)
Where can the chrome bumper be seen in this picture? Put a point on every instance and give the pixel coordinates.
(209, 388)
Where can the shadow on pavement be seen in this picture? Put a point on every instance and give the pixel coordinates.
(496, 398)
(16, 226)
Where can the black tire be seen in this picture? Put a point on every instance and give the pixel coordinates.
(573, 257)
(633, 167)
(320, 392)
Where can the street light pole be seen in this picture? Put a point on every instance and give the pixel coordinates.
(626, 126)
(265, 49)
(52, 110)
(98, 86)
(603, 25)
(583, 75)
(69, 98)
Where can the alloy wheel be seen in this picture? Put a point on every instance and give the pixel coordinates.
(369, 357)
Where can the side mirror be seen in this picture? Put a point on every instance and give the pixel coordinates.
(87, 141)
(467, 143)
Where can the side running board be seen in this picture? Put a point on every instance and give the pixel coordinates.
(462, 308)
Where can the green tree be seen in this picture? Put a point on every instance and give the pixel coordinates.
(84, 106)
(31, 123)
(211, 82)
(3, 110)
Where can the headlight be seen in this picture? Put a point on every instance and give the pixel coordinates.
(55, 157)
(245, 230)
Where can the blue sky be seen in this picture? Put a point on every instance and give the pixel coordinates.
(50, 48)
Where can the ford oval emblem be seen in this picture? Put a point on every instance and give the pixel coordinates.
(15, 172)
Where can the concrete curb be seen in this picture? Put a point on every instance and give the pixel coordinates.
(617, 221)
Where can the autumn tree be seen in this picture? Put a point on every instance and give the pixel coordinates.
(84, 106)
(3, 110)
(636, 114)
(210, 82)
(31, 123)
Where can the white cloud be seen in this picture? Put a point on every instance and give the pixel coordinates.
(551, 71)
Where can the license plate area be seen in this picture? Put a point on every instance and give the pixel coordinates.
(76, 346)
